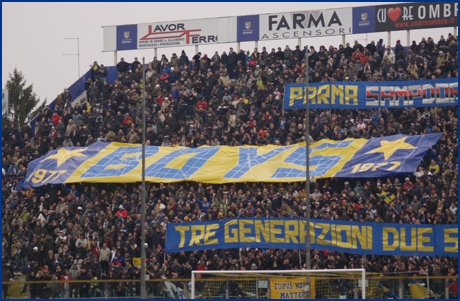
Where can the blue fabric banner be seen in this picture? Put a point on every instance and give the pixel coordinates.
(340, 236)
(103, 162)
(372, 95)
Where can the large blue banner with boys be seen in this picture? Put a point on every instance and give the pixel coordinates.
(373, 95)
(340, 236)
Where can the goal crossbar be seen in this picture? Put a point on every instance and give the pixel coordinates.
(310, 273)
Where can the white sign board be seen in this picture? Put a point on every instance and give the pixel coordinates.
(306, 24)
(182, 33)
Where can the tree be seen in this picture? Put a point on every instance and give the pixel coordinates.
(22, 98)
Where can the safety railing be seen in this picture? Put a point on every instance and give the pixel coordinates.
(394, 287)
(110, 288)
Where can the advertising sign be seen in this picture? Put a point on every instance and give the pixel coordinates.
(277, 26)
(182, 33)
(291, 288)
(306, 24)
(424, 15)
(247, 28)
(363, 19)
(127, 37)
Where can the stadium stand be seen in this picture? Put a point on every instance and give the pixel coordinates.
(91, 232)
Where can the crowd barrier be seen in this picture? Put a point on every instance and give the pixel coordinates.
(166, 289)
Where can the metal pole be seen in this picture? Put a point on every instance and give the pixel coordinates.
(143, 284)
(192, 290)
(307, 169)
(78, 45)
(115, 60)
(77, 54)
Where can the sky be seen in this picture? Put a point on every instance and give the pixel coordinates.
(34, 35)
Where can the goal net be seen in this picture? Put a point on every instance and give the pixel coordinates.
(293, 284)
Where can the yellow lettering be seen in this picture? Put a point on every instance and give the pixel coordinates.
(413, 240)
(450, 239)
(210, 233)
(312, 94)
(39, 175)
(233, 231)
(340, 242)
(295, 93)
(333, 235)
(182, 230)
(244, 231)
(422, 239)
(262, 229)
(396, 164)
(379, 165)
(337, 92)
(355, 168)
(366, 167)
(291, 235)
(274, 231)
(369, 238)
(52, 173)
(386, 243)
(303, 232)
(320, 240)
(324, 94)
(196, 238)
(351, 95)
(61, 172)
(358, 234)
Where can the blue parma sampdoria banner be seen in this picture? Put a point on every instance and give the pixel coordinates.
(121, 163)
(340, 236)
(372, 95)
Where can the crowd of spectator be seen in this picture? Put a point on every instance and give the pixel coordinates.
(85, 232)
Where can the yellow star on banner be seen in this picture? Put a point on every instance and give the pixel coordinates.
(63, 155)
(388, 148)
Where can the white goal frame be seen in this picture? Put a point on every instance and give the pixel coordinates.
(310, 272)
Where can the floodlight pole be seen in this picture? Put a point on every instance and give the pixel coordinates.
(307, 185)
(143, 283)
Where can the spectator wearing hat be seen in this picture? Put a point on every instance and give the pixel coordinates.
(121, 213)
(399, 49)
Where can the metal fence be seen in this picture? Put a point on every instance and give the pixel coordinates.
(180, 288)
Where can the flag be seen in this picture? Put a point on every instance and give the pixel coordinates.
(386, 291)
(417, 291)
(387, 196)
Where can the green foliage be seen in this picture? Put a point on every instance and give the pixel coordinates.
(22, 98)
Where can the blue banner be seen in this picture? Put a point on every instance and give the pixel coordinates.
(247, 28)
(340, 236)
(127, 37)
(372, 95)
(392, 154)
(363, 19)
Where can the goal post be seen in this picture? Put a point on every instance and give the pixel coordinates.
(283, 284)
